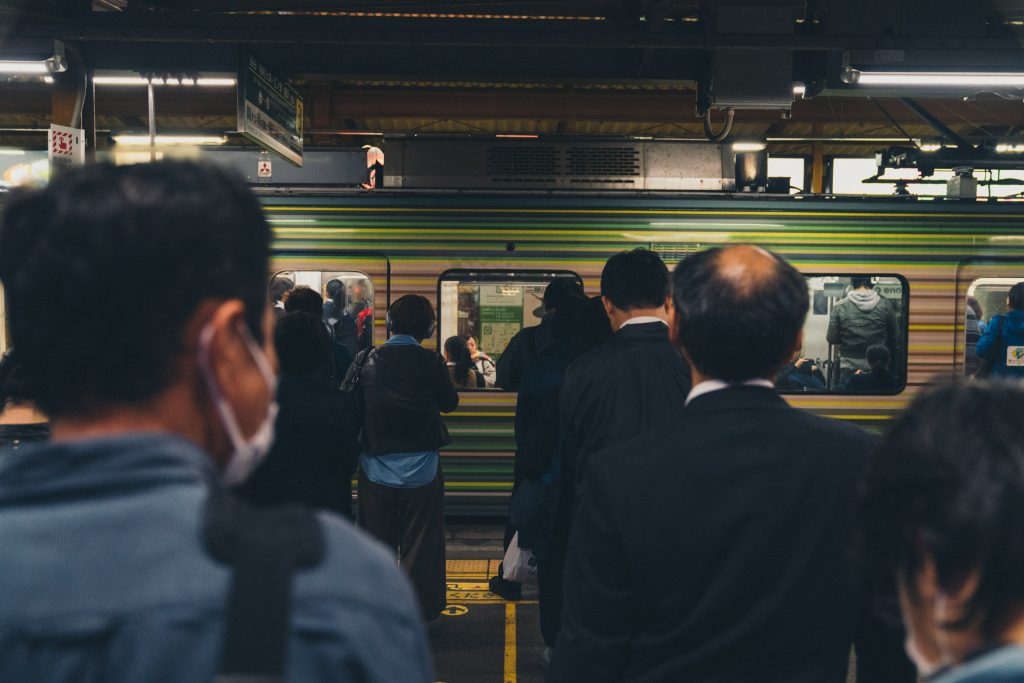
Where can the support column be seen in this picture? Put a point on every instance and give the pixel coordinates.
(817, 162)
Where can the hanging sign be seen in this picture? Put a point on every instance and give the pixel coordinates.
(66, 147)
(269, 109)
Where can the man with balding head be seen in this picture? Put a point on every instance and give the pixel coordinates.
(716, 547)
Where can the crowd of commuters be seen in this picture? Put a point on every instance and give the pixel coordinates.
(688, 524)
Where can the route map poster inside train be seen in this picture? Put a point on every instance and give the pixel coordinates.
(501, 316)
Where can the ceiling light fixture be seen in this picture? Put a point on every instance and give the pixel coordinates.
(748, 146)
(132, 140)
(18, 67)
(951, 79)
(133, 81)
(799, 90)
(1010, 148)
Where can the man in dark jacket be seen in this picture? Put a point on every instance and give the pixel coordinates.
(527, 345)
(715, 547)
(315, 447)
(636, 380)
(529, 341)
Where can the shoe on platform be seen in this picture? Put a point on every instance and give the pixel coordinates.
(510, 590)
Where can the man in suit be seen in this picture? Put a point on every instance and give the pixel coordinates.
(715, 547)
(634, 381)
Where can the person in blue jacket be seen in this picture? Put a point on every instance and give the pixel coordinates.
(137, 302)
(1003, 342)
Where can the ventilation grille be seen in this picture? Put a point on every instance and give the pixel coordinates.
(674, 251)
(603, 162)
(519, 163)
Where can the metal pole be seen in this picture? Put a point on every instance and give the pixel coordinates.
(152, 120)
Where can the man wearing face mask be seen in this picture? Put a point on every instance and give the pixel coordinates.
(159, 398)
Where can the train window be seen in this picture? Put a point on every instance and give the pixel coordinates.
(986, 298)
(854, 337)
(347, 302)
(487, 308)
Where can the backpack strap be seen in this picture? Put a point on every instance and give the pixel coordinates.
(264, 548)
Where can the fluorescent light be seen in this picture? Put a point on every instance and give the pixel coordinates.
(516, 135)
(748, 146)
(12, 152)
(12, 67)
(1010, 149)
(140, 81)
(143, 140)
(952, 79)
(929, 147)
(799, 89)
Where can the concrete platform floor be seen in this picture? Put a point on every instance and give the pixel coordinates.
(482, 638)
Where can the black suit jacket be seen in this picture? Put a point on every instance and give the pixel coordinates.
(717, 548)
(633, 382)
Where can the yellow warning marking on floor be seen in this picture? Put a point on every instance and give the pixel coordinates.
(454, 610)
(510, 643)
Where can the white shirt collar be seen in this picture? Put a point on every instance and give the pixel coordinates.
(709, 385)
(643, 320)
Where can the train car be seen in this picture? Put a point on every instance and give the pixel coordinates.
(483, 259)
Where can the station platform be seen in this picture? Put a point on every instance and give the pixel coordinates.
(481, 637)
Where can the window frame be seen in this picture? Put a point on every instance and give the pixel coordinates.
(484, 275)
(365, 275)
(904, 336)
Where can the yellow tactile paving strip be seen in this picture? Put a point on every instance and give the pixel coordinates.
(467, 582)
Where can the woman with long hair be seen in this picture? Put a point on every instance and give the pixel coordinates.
(461, 368)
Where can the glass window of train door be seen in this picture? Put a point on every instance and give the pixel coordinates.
(347, 309)
(986, 298)
(491, 306)
(817, 368)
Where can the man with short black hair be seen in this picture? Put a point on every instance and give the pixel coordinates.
(124, 558)
(634, 381)
(715, 547)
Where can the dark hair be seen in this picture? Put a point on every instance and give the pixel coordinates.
(593, 327)
(302, 342)
(1016, 296)
(948, 481)
(303, 298)
(878, 357)
(859, 281)
(458, 351)
(635, 279)
(737, 328)
(560, 290)
(279, 286)
(975, 306)
(104, 267)
(15, 385)
(412, 314)
(336, 290)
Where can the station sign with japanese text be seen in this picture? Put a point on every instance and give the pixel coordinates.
(269, 108)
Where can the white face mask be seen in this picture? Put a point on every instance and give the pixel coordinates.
(247, 454)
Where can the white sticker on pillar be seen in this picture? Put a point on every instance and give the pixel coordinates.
(66, 146)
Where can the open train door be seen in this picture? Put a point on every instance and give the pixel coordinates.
(355, 285)
(981, 286)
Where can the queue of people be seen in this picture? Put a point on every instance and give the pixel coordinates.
(688, 524)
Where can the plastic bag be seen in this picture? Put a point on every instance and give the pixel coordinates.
(519, 564)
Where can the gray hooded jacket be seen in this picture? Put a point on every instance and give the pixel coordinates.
(861, 320)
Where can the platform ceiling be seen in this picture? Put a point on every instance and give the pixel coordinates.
(606, 68)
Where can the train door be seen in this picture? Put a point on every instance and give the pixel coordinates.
(981, 290)
(355, 288)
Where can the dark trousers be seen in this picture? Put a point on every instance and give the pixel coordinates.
(410, 522)
(549, 592)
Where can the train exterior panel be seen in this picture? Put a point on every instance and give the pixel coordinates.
(405, 242)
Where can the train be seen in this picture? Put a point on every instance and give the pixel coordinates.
(483, 259)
